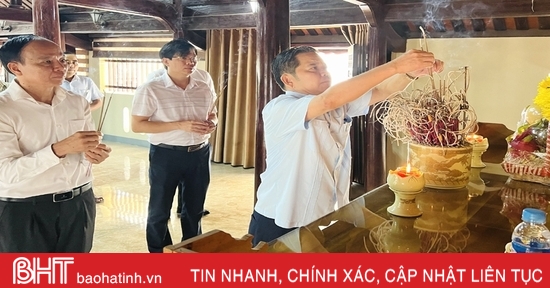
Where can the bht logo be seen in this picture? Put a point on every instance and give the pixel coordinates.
(27, 271)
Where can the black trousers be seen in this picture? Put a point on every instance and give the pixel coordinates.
(47, 226)
(168, 168)
(264, 229)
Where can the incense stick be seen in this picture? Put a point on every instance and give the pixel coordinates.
(102, 116)
(426, 45)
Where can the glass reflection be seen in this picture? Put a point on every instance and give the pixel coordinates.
(396, 236)
(517, 195)
(442, 226)
(476, 186)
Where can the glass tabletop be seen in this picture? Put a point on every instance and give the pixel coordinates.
(477, 218)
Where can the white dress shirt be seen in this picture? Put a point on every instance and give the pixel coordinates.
(163, 101)
(28, 166)
(308, 163)
(156, 73)
(83, 86)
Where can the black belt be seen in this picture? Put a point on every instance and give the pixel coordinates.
(191, 148)
(55, 197)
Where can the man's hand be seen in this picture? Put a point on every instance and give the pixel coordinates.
(436, 68)
(415, 61)
(80, 141)
(98, 154)
(199, 127)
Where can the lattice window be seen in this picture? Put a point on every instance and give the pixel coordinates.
(125, 75)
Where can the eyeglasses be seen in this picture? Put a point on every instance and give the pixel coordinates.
(194, 59)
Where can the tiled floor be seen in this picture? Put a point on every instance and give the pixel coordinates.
(123, 181)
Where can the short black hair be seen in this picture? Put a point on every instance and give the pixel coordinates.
(286, 62)
(11, 50)
(176, 48)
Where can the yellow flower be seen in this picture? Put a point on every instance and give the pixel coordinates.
(543, 97)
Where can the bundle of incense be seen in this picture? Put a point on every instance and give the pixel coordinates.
(102, 116)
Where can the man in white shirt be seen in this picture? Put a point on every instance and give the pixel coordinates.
(151, 76)
(81, 85)
(307, 135)
(48, 144)
(178, 113)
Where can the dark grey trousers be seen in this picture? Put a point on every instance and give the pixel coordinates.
(47, 226)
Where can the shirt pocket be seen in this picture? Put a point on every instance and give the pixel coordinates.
(76, 125)
(322, 134)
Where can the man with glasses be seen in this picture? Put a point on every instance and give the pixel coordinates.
(83, 86)
(48, 142)
(177, 111)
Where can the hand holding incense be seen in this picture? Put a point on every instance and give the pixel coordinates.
(100, 152)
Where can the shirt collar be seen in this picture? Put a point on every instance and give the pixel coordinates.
(16, 92)
(295, 94)
(169, 83)
(75, 78)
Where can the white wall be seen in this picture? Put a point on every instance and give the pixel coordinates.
(504, 75)
(504, 72)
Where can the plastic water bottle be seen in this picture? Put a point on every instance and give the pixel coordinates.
(531, 235)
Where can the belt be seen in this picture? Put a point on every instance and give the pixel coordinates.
(55, 197)
(191, 148)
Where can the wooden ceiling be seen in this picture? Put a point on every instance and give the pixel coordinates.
(309, 18)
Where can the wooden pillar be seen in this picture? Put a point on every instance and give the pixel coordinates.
(273, 36)
(375, 137)
(178, 30)
(45, 19)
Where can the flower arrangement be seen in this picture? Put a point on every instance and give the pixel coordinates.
(436, 114)
(531, 134)
(527, 158)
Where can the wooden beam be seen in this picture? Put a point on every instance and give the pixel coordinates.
(216, 10)
(209, 2)
(195, 39)
(219, 22)
(109, 27)
(485, 34)
(126, 54)
(308, 5)
(118, 26)
(132, 35)
(78, 42)
(455, 10)
(16, 29)
(149, 8)
(343, 16)
(15, 14)
(330, 40)
(398, 43)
